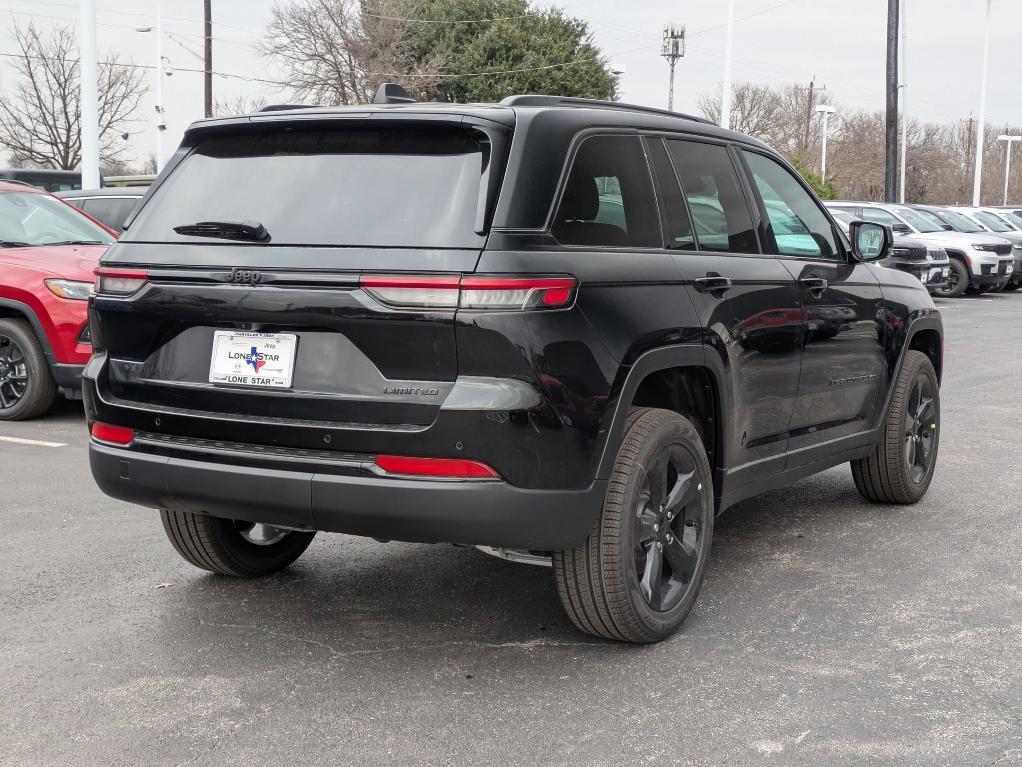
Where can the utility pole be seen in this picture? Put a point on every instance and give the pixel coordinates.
(729, 44)
(891, 132)
(968, 159)
(904, 101)
(207, 19)
(810, 99)
(977, 179)
(89, 96)
(672, 49)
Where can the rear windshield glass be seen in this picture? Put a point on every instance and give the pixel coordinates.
(382, 187)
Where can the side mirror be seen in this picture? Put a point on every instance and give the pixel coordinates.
(948, 227)
(870, 241)
(902, 228)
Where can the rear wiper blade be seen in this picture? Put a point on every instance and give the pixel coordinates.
(226, 230)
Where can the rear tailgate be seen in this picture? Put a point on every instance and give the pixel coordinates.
(277, 329)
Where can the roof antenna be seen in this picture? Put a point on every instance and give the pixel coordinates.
(392, 93)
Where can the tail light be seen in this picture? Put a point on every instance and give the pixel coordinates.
(449, 468)
(119, 282)
(112, 435)
(478, 293)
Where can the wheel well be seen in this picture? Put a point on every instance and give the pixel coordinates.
(959, 256)
(928, 342)
(690, 392)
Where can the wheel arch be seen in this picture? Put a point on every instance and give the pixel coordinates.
(12, 309)
(958, 255)
(682, 378)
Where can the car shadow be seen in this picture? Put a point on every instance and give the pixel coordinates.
(349, 596)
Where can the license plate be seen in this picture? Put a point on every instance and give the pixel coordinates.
(253, 359)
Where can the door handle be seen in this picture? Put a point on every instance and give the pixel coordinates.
(814, 285)
(716, 284)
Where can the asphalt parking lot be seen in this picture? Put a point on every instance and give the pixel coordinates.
(829, 631)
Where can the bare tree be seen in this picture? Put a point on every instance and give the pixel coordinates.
(339, 51)
(40, 121)
(237, 105)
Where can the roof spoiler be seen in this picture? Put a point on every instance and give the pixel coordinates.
(392, 93)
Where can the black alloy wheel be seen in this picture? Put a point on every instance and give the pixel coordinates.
(920, 429)
(637, 575)
(13, 372)
(667, 529)
(27, 388)
(901, 465)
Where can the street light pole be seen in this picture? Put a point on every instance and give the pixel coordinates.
(1009, 140)
(725, 96)
(89, 91)
(160, 72)
(826, 110)
(672, 49)
(977, 179)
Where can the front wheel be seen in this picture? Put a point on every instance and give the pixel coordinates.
(958, 281)
(230, 547)
(27, 388)
(638, 573)
(900, 468)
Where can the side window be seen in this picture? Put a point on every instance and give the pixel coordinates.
(879, 216)
(608, 200)
(720, 214)
(677, 223)
(800, 228)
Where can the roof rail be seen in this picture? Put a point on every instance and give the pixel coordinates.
(530, 100)
(20, 182)
(283, 107)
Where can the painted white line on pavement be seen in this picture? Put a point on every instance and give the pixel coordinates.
(36, 442)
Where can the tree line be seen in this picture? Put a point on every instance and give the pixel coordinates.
(339, 51)
(939, 164)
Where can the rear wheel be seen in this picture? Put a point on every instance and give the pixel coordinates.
(639, 571)
(957, 282)
(230, 547)
(900, 468)
(27, 388)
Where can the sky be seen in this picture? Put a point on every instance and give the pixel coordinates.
(839, 44)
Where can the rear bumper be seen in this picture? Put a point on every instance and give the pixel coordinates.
(470, 512)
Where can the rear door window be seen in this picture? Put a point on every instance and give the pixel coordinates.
(719, 211)
(380, 187)
(608, 200)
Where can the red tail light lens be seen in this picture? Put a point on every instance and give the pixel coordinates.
(451, 468)
(478, 293)
(119, 282)
(517, 293)
(113, 435)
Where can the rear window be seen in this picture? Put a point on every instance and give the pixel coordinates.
(358, 187)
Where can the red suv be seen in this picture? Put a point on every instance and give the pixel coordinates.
(48, 252)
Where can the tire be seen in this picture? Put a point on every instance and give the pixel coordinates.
(891, 473)
(1011, 287)
(27, 388)
(221, 546)
(957, 282)
(611, 586)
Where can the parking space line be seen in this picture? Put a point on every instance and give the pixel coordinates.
(36, 442)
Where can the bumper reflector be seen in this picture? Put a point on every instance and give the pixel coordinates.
(451, 468)
(112, 435)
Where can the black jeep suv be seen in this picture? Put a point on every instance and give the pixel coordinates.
(573, 328)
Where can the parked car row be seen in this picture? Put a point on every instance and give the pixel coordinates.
(983, 245)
